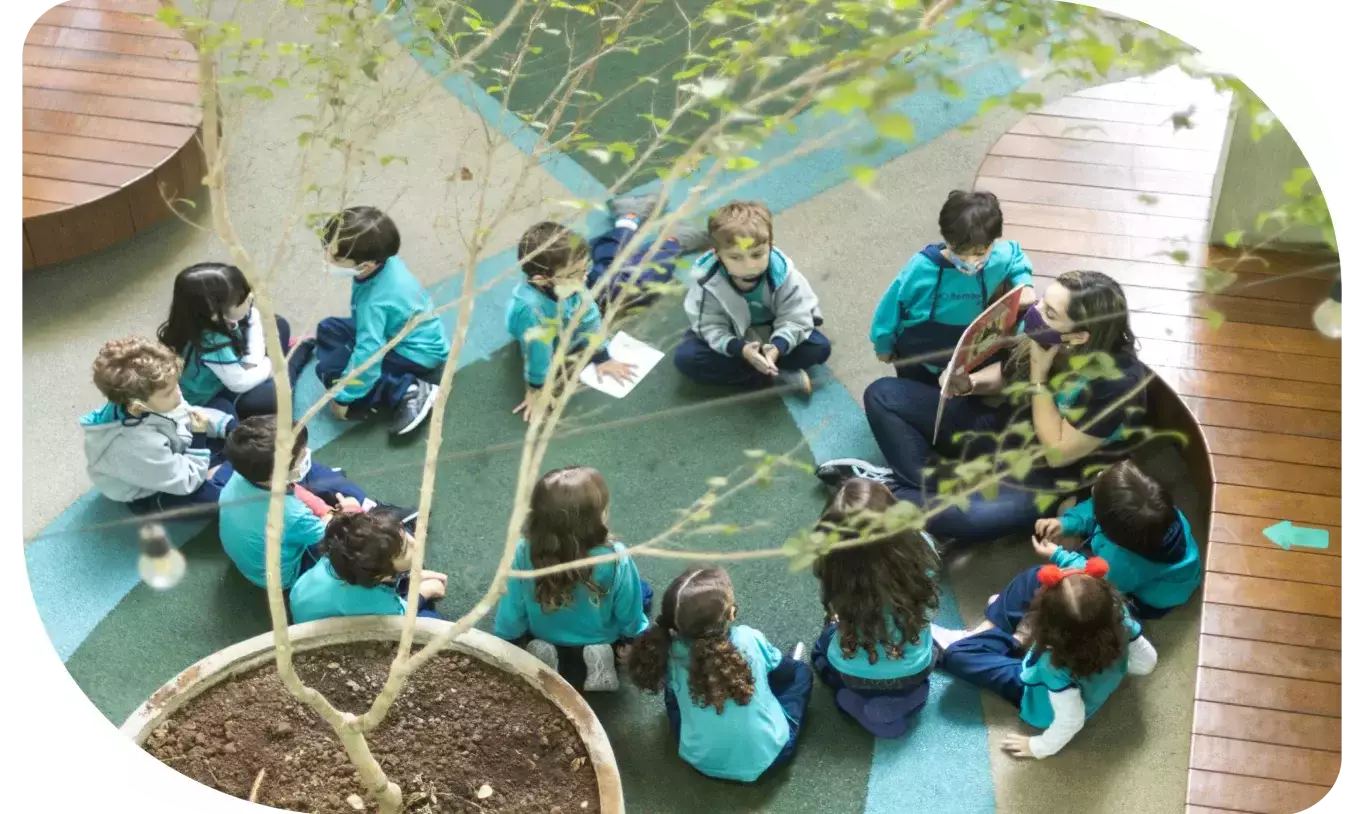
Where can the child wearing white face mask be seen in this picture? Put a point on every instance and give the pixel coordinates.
(246, 499)
(362, 245)
(554, 293)
(146, 447)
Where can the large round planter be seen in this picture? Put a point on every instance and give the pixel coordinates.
(254, 653)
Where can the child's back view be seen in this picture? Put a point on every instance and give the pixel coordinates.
(362, 245)
(574, 618)
(1134, 526)
(146, 447)
(942, 288)
(734, 702)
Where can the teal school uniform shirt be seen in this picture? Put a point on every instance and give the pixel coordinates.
(198, 383)
(320, 594)
(533, 320)
(614, 612)
(909, 299)
(1164, 583)
(241, 527)
(1040, 677)
(381, 305)
(916, 657)
(739, 742)
(758, 312)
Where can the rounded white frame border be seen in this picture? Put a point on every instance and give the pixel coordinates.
(1225, 44)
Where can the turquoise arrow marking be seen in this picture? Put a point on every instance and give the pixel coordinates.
(1285, 535)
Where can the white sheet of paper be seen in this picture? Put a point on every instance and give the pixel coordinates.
(624, 348)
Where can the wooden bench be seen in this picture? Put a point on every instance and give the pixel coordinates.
(1101, 180)
(111, 121)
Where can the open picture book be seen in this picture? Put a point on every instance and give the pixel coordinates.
(988, 333)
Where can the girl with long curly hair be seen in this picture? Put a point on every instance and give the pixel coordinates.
(876, 652)
(573, 620)
(1055, 644)
(734, 702)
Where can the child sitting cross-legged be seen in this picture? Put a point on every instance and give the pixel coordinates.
(363, 572)
(246, 499)
(877, 651)
(1133, 525)
(734, 702)
(572, 620)
(146, 447)
(1056, 644)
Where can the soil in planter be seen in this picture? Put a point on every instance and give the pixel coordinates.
(460, 726)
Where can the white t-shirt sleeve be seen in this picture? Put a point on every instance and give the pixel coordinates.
(1068, 718)
(242, 374)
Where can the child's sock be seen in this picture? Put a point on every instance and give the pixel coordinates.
(946, 637)
(628, 221)
(600, 660)
(545, 652)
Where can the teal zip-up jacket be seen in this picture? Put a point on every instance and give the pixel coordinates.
(909, 299)
(1164, 583)
(381, 305)
(614, 611)
(533, 320)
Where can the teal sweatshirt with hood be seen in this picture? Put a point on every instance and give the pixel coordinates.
(381, 305)
(128, 458)
(534, 320)
(723, 316)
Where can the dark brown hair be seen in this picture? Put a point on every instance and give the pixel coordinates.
(863, 584)
(1079, 621)
(696, 609)
(362, 234)
(1133, 509)
(251, 447)
(970, 220)
(362, 546)
(564, 523)
(133, 368)
(554, 246)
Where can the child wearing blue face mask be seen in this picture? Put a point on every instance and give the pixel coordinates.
(146, 447)
(555, 261)
(362, 245)
(928, 306)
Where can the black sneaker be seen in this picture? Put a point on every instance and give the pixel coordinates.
(414, 408)
(835, 472)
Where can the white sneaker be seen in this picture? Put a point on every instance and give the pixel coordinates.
(544, 651)
(601, 668)
(946, 637)
(991, 600)
(798, 652)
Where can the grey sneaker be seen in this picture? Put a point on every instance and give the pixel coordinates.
(797, 380)
(642, 206)
(601, 668)
(545, 652)
(690, 239)
(414, 408)
(838, 470)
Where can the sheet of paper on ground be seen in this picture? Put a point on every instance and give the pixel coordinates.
(624, 348)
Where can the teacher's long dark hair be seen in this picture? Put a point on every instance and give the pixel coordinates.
(1097, 305)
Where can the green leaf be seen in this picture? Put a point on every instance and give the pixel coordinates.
(1233, 238)
(170, 16)
(1179, 255)
(1147, 198)
(894, 126)
(864, 176)
(385, 160)
(802, 561)
(951, 87)
(1025, 101)
(259, 92)
(1294, 185)
(740, 162)
(1214, 317)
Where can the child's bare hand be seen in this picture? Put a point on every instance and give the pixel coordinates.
(887, 358)
(340, 410)
(432, 589)
(623, 372)
(1018, 745)
(524, 408)
(1049, 529)
(959, 385)
(1044, 548)
(754, 356)
(770, 353)
(435, 575)
(198, 422)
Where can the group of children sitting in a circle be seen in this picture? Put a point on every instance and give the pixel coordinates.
(190, 421)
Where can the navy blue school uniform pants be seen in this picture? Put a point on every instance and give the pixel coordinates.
(901, 412)
(660, 269)
(791, 682)
(207, 493)
(336, 343)
(260, 400)
(699, 362)
(572, 668)
(895, 701)
(994, 659)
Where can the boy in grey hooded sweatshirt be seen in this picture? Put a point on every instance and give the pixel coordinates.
(754, 318)
(147, 447)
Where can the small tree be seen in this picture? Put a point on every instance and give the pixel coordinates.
(747, 69)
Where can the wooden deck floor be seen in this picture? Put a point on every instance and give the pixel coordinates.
(110, 123)
(1101, 180)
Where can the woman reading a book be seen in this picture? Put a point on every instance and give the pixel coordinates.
(1062, 406)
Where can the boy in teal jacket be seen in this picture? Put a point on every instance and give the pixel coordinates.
(945, 286)
(1131, 523)
(362, 245)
